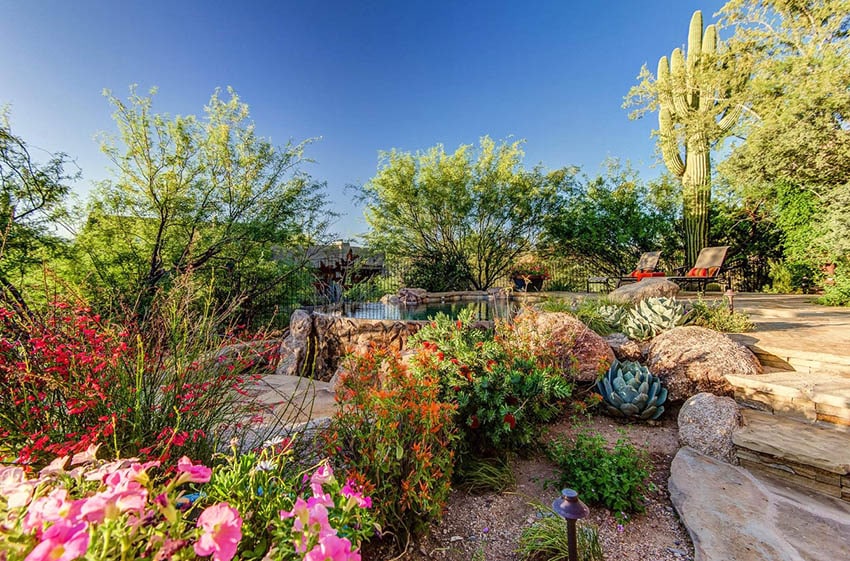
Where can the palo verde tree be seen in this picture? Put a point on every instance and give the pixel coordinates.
(692, 97)
(203, 195)
(469, 214)
(31, 199)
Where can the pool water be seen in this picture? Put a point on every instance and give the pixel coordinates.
(484, 310)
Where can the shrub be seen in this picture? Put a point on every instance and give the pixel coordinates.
(837, 294)
(719, 317)
(396, 437)
(615, 479)
(585, 309)
(546, 540)
(503, 392)
(70, 378)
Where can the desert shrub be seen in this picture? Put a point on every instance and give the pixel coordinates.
(546, 539)
(586, 310)
(396, 437)
(484, 475)
(503, 392)
(615, 478)
(152, 389)
(719, 317)
(837, 294)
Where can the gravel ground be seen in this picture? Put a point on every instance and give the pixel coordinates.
(657, 534)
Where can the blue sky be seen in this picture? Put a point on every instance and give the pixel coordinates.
(364, 76)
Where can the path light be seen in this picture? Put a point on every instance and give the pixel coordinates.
(572, 509)
(730, 294)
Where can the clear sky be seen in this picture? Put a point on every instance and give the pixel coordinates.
(364, 76)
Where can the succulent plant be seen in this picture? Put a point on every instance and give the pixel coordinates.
(652, 316)
(630, 390)
(612, 314)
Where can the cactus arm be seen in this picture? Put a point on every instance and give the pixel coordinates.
(695, 37)
(730, 117)
(678, 83)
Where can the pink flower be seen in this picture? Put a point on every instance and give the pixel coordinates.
(222, 527)
(322, 475)
(51, 508)
(61, 542)
(332, 548)
(355, 496)
(89, 455)
(190, 473)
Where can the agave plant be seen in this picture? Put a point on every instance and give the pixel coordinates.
(651, 316)
(613, 315)
(630, 390)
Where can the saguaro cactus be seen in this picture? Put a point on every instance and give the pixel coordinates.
(690, 111)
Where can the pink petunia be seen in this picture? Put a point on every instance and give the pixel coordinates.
(53, 507)
(222, 530)
(61, 542)
(190, 473)
(321, 476)
(332, 548)
(355, 497)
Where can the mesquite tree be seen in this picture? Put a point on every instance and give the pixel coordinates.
(691, 93)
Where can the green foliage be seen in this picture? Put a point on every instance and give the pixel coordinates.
(470, 213)
(205, 195)
(32, 197)
(651, 316)
(719, 317)
(596, 313)
(437, 272)
(396, 437)
(837, 294)
(484, 475)
(631, 391)
(503, 392)
(546, 539)
(609, 220)
(615, 479)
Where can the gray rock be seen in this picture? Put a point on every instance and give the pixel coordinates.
(623, 347)
(691, 359)
(646, 288)
(706, 424)
(731, 514)
(293, 349)
(578, 348)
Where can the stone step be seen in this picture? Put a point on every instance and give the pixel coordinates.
(793, 357)
(735, 515)
(806, 455)
(819, 397)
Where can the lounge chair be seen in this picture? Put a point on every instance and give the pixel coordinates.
(708, 268)
(645, 268)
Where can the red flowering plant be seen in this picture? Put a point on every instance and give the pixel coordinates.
(153, 389)
(396, 436)
(502, 391)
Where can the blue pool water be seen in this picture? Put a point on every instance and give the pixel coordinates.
(484, 309)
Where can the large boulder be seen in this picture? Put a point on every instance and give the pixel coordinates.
(706, 424)
(647, 288)
(691, 359)
(293, 349)
(575, 345)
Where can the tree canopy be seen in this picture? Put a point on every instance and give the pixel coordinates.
(473, 212)
(197, 194)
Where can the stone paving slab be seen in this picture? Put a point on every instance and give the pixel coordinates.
(805, 444)
(732, 515)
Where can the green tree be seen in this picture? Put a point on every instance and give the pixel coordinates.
(203, 195)
(471, 213)
(692, 94)
(32, 198)
(611, 219)
(795, 156)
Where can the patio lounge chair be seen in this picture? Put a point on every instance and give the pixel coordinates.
(645, 268)
(707, 269)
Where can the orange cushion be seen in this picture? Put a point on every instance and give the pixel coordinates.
(649, 274)
(697, 272)
(712, 271)
(635, 273)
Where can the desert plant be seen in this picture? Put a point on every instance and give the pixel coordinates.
(615, 479)
(719, 317)
(651, 316)
(396, 437)
(502, 390)
(546, 539)
(631, 391)
(485, 475)
(596, 313)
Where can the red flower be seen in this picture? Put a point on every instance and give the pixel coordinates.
(459, 324)
(510, 420)
(474, 424)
